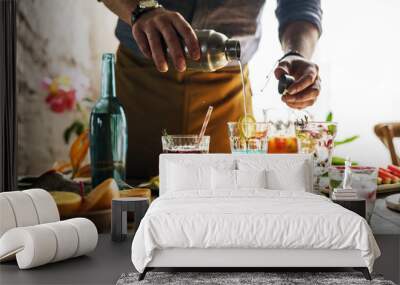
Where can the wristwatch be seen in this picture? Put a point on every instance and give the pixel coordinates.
(143, 7)
(289, 53)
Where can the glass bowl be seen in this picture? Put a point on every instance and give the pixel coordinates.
(185, 144)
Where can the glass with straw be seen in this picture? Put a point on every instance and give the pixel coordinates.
(188, 143)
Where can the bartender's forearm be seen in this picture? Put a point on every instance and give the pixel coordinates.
(300, 36)
(122, 8)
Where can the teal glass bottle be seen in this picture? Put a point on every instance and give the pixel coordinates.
(108, 130)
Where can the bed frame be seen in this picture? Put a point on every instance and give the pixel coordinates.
(233, 259)
(246, 259)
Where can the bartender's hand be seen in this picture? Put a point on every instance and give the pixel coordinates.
(160, 26)
(306, 88)
(300, 36)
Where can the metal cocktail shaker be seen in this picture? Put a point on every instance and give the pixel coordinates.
(216, 49)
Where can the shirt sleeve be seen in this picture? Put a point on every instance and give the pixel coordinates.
(298, 10)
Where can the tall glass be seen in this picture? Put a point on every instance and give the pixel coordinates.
(317, 138)
(281, 131)
(108, 130)
(248, 137)
(363, 180)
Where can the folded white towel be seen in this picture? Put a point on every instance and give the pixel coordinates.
(40, 244)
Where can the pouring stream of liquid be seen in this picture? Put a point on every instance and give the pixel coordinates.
(243, 88)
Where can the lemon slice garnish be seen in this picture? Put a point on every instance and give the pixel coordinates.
(247, 126)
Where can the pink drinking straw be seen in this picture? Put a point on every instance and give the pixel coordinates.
(205, 123)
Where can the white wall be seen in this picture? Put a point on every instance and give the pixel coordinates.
(55, 37)
(359, 57)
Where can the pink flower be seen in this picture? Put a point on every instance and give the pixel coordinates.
(62, 101)
(61, 96)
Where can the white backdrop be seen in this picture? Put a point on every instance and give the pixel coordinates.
(359, 58)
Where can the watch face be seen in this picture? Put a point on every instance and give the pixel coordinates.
(147, 3)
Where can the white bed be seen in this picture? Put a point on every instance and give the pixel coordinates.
(215, 211)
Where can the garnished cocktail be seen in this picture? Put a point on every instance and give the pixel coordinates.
(247, 136)
(282, 145)
(281, 131)
(317, 138)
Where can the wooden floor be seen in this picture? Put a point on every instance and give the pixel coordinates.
(110, 260)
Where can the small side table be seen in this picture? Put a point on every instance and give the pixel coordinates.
(120, 207)
(357, 206)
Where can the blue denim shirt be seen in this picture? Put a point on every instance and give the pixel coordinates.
(238, 19)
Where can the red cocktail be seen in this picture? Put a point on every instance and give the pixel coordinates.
(282, 145)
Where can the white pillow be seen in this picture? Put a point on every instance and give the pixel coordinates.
(227, 179)
(284, 172)
(223, 179)
(251, 178)
(293, 180)
(183, 177)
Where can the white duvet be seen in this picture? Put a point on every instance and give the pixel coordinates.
(250, 219)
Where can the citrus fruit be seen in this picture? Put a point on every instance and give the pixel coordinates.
(68, 203)
(100, 198)
(247, 126)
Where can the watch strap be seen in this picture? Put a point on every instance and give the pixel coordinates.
(139, 11)
(290, 53)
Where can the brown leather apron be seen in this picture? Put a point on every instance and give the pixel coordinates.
(177, 102)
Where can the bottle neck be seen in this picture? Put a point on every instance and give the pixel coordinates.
(232, 50)
(108, 76)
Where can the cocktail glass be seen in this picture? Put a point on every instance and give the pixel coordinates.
(277, 144)
(185, 144)
(281, 131)
(317, 138)
(248, 137)
(363, 180)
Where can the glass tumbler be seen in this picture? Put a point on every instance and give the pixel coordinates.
(317, 138)
(281, 131)
(363, 180)
(247, 137)
(185, 144)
